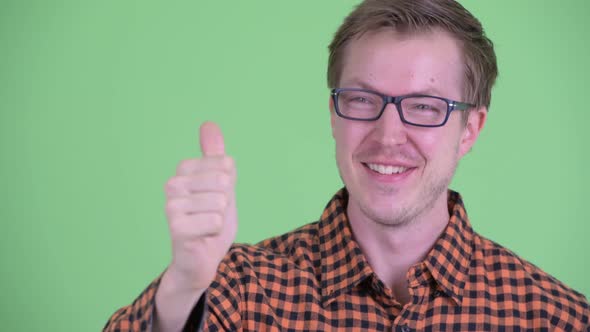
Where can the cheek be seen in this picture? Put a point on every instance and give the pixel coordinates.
(426, 142)
(343, 144)
(435, 146)
(348, 138)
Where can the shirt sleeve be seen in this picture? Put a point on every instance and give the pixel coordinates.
(218, 309)
(139, 315)
(225, 299)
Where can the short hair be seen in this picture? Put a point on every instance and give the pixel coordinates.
(411, 16)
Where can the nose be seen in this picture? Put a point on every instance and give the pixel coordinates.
(389, 128)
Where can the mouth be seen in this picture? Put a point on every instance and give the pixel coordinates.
(388, 173)
(386, 169)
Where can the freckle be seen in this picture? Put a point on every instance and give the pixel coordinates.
(432, 80)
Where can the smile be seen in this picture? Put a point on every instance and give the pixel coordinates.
(387, 169)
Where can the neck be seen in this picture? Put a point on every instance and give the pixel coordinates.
(392, 250)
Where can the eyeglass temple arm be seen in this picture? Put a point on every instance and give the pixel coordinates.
(459, 106)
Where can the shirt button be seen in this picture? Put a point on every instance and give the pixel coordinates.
(405, 328)
(437, 293)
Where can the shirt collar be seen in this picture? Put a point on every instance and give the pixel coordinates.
(343, 265)
(449, 260)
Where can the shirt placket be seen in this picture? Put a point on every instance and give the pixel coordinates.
(421, 290)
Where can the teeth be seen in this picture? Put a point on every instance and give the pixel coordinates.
(388, 170)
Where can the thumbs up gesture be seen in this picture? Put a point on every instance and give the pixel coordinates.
(201, 211)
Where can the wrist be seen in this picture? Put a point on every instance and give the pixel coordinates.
(174, 301)
(175, 282)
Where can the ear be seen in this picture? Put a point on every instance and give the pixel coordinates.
(332, 114)
(475, 123)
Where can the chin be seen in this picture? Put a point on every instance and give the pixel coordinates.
(380, 206)
(388, 216)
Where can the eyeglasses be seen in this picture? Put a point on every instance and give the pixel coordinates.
(416, 110)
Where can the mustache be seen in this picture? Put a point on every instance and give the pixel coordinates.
(377, 150)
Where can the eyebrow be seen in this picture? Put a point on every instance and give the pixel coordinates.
(364, 85)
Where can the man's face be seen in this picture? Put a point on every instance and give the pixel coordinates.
(423, 160)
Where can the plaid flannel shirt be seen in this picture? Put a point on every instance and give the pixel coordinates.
(316, 278)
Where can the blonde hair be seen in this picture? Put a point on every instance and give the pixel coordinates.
(411, 16)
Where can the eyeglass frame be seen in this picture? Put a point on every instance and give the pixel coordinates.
(452, 105)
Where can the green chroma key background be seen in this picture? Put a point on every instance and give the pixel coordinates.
(99, 101)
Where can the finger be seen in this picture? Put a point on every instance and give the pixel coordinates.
(209, 181)
(196, 225)
(196, 203)
(211, 140)
(192, 166)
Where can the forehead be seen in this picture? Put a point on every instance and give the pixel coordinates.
(393, 63)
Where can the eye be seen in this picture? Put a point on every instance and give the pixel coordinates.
(423, 107)
(360, 100)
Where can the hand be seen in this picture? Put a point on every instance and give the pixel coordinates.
(201, 211)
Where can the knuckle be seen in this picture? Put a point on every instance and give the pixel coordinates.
(171, 185)
(175, 230)
(224, 201)
(228, 163)
(215, 221)
(173, 206)
(220, 201)
(182, 226)
(184, 166)
(178, 231)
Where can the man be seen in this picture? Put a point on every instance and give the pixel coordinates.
(411, 84)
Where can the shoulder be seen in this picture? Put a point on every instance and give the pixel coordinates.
(510, 277)
(297, 250)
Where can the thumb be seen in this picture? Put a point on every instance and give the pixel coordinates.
(211, 140)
